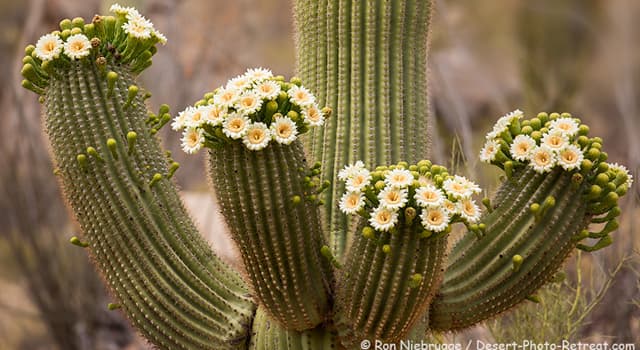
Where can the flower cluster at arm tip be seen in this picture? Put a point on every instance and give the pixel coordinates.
(254, 108)
(560, 141)
(126, 38)
(403, 192)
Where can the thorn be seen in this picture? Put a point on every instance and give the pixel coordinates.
(326, 252)
(172, 169)
(131, 140)
(113, 306)
(111, 82)
(77, 242)
(92, 152)
(156, 177)
(112, 145)
(517, 262)
(415, 280)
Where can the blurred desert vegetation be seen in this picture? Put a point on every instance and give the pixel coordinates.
(487, 58)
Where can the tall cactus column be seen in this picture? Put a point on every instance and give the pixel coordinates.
(117, 181)
(366, 60)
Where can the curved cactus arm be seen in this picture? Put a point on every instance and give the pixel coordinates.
(117, 181)
(277, 228)
(366, 60)
(269, 335)
(267, 192)
(541, 213)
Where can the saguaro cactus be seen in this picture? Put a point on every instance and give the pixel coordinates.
(313, 279)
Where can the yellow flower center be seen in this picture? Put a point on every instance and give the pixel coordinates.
(542, 158)
(284, 130)
(523, 148)
(77, 46)
(393, 197)
(248, 101)
(313, 114)
(468, 208)
(383, 217)
(192, 139)
(256, 136)
(236, 125)
(352, 201)
(49, 46)
(555, 141)
(569, 156)
(435, 217)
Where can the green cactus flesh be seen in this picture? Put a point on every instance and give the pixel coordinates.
(169, 282)
(274, 219)
(380, 295)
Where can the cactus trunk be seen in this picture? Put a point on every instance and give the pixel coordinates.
(270, 335)
(277, 228)
(169, 282)
(366, 60)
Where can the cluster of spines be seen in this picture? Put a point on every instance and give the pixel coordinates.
(126, 38)
(254, 108)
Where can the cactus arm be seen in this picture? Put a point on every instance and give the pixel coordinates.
(116, 179)
(382, 303)
(279, 237)
(541, 213)
(370, 68)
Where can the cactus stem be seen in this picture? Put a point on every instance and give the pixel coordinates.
(486, 201)
(92, 152)
(517, 262)
(533, 298)
(602, 242)
(172, 169)
(112, 145)
(131, 94)
(131, 140)
(156, 177)
(326, 252)
(82, 160)
(111, 82)
(77, 242)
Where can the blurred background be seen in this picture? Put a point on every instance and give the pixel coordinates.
(487, 58)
